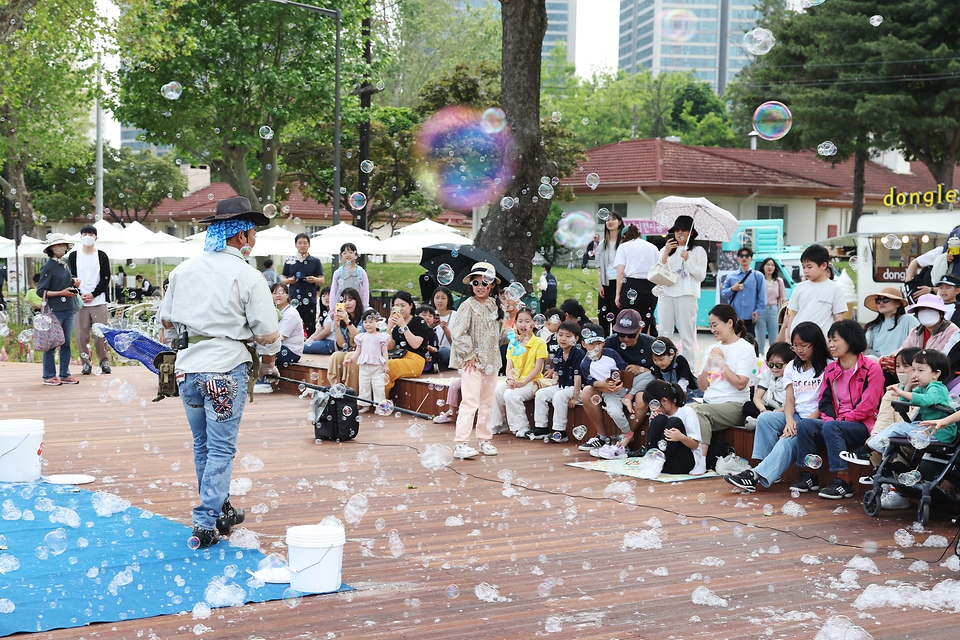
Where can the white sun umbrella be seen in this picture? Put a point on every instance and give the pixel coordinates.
(275, 241)
(411, 244)
(427, 226)
(328, 241)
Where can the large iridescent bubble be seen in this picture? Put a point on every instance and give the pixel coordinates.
(463, 162)
(678, 25)
(772, 120)
(575, 230)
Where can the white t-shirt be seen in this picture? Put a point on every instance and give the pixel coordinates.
(740, 357)
(816, 302)
(928, 258)
(691, 424)
(442, 340)
(806, 389)
(88, 272)
(636, 256)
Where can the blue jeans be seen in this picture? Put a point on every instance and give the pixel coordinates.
(442, 358)
(776, 453)
(767, 327)
(214, 405)
(320, 347)
(897, 429)
(837, 435)
(49, 358)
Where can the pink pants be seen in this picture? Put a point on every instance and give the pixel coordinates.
(453, 393)
(477, 400)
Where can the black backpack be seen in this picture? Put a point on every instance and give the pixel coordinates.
(334, 418)
(717, 449)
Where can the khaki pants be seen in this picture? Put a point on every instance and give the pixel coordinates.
(339, 373)
(717, 417)
(83, 321)
(477, 397)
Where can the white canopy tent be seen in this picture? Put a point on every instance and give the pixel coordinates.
(29, 248)
(411, 244)
(328, 241)
(275, 241)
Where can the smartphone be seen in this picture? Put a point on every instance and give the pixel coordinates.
(396, 311)
(341, 307)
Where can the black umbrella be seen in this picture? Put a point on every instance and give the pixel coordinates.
(461, 259)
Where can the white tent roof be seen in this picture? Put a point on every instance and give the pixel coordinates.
(275, 241)
(29, 247)
(427, 226)
(328, 241)
(412, 243)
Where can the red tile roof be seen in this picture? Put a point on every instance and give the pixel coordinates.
(655, 165)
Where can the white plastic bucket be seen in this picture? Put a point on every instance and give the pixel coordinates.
(315, 557)
(21, 445)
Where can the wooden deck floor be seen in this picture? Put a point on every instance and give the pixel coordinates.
(559, 525)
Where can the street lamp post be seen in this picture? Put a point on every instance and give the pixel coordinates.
(330, 13)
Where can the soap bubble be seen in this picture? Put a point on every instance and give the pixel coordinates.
(25, 336)
(292, 597)
(678, 25)
(556, 116)
(452, 591)
(631, 296)
(772, 120)
(854, 263)
(266, 132)
(813, 461)
(436, 457)
(385, 408)
(768, 509)
(539, 320)
(356, 507)
(891, 241)
(654, 405)
(593, 181)
(876, 21)
(56, 541)
(579, 432)
(596, 399)
(904, 538)
(270, 210)
(758, 41)
(461, 165)
(445, 274)
(338, 390)
(909, 478)
(171, 90)
(42, 322)
(827, 148)
(357, 200)
(602, 214)
(366, 166)
(493, 121)
(545, 191)
(506, 203)
(575, 230)
(919, 439)
(515, 291)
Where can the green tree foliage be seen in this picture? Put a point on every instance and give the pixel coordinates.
(422, 40)
(46, 91)
(549, 248)
(243, 66)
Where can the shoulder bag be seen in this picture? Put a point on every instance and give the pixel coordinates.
(49, 335)
(661, 274)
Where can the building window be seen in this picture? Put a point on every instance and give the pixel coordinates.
(616, 207)
(771, 212)
(311, 229)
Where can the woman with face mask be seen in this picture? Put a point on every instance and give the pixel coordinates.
(935, 331)
(58, 288)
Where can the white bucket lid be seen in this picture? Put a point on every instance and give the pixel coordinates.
(21, 426)
(313, 536)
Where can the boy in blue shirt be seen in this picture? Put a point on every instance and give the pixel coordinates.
(564, 395)
(603, 364)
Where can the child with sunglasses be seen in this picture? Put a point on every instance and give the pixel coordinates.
(770, 393)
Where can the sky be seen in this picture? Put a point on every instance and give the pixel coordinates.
(598, 32)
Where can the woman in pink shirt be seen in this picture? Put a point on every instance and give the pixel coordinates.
(849, 399)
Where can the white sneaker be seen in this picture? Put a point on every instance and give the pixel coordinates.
(443, 418)
(893, 500)
(522, 432)
(750, 423)
(609, 452)
(731, 464)
(464, 451)
(263, 387)
(501, 428)
(487, 448)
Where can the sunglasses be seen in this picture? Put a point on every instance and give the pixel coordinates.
(883, 300)
(479, 283)
(743, 255)
(776, 365)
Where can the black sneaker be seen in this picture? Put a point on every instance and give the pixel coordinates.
(203, 538)
(559, 437)
(837, 490)
(539, 433)
(229, 518)
(636, 453)
(745, 481)
(807, 482)
(856, 457)
(594, 443)
(87, 369)
(105, 368)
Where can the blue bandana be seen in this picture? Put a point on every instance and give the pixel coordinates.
(219, 232)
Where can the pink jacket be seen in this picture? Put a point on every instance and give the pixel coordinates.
(942, 342)
(866, 384)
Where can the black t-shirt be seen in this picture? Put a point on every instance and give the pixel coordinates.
(418, 327)
(301, 290)
(639, 354)
(680, 370)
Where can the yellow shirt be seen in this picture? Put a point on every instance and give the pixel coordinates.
(525, 363)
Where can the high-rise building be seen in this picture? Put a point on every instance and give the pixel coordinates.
(703, 36)
(561, 25)
(130, 137)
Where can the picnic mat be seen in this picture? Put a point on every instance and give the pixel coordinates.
(629, 467)
(74, 557)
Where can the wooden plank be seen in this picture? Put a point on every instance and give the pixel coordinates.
(557, 525)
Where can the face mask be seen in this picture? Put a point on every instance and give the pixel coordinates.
(928, 317)
(59, 250)
(904, 378)
(88, 241)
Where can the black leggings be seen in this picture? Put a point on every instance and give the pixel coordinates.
(679, 457)
(308, 313)
(607, 306)
(645, 302)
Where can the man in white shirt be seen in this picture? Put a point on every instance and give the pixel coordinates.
(634, 258)
(92, 267)
(215, 307)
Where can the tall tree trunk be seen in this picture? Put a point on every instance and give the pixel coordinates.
(233, 169)
(513, 236)
(860, 159)
(270, 172)
(11, 16)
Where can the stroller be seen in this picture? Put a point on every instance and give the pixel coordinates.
(936, 462)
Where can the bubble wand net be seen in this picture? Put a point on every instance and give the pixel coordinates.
(132, 344)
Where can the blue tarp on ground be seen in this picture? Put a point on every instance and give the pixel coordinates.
(106, 568)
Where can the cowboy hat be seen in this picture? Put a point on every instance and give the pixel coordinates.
(870, 302)
(483, 269)
(54, 239)
(928, 301)
(236, 209)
